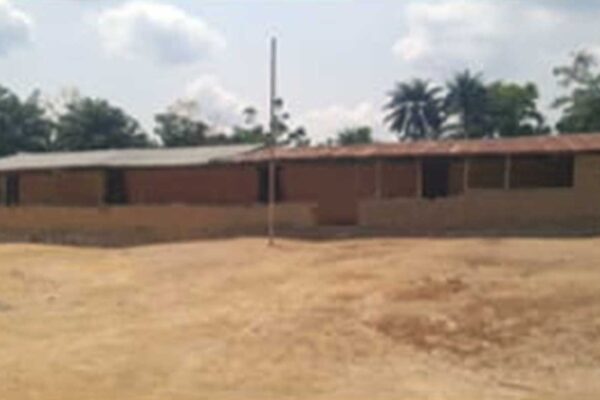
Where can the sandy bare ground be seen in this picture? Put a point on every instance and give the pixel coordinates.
(352, 319)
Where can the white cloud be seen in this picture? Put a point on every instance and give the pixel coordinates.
(16, 27)
(213, 103)
(442, 36)
(207, 99)
(324, 123)
(162, 32)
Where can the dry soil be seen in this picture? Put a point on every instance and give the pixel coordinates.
(349, 319)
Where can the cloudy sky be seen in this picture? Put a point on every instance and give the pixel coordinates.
(337, 58)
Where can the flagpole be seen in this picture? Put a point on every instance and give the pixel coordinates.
(272, 143)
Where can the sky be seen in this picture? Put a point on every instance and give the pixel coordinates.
(337, 59)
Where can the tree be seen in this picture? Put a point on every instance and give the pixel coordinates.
(415, 110)
(354, 135)
(251, 135)
(23, 124)
(580, 107)
(89, 124)
(251, 131)
(254, 132)
(297, 137)
(284, 134)
(513, 110)
(178, 131)
(55, 106)
(466, 102)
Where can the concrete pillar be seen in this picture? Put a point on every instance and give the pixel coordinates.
(378, 179)
(466, 175)
(507, 168)
(419, 177)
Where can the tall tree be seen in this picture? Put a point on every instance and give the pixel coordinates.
(415, 110)
(513, 110)
(581, 106)
(23, 124)
(297, 137)
(89, 124)
(176, 130)
(284, 133)
(354, 135)
(466, 104)
(251, 131)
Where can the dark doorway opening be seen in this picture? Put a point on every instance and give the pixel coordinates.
(12, 195)
(436, 177)
(263, 184)
(115, 191)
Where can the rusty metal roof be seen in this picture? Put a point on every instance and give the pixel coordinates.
(546, 144)
(147, 158)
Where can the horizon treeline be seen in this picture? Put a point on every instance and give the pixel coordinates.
(464, 107)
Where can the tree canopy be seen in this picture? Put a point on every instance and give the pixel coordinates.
(176, 130)
(466, 103)
(415, 110)
(513, 110)
(251, 131)
(468, 108)
(354, 135)
(90, 124)
(23, 125)
(281, 130)
(581, 105)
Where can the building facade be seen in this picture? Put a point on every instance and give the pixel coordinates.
(501, 184)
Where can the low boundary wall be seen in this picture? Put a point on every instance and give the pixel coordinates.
(489, 210)
(138, 224)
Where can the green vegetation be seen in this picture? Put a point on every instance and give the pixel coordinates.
(415, 110)
(581, 106)
(466, 107)
(23, 125)
(513, 111)
(91, 124)
(177, 130)
(354, 135)
(466, 102)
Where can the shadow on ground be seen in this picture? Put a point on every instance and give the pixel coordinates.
(143, 237)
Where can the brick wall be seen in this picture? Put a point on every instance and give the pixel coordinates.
(65, 187)
(335, 187)
(203, 185)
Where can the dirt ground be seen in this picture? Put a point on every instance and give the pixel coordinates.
(348, 319)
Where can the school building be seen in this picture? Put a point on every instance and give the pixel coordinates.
(541, 182)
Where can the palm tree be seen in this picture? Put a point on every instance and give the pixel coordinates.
(466, 104)
(415, 110)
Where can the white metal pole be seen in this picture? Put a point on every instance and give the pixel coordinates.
(272, 143)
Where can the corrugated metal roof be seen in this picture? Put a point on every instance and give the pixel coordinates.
(579, 143)
(142, 158)
(177, 157)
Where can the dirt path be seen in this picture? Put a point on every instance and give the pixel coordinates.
(354, 319)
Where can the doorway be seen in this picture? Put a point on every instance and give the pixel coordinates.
(436, 178)
(11, 190)
(115, 191)
(263, 184)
